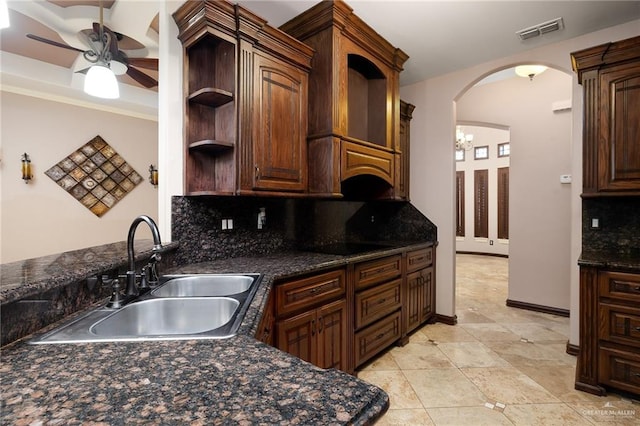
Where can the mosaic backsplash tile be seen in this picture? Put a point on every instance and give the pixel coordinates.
(95, 175)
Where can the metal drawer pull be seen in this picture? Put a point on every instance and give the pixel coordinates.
(379, 336)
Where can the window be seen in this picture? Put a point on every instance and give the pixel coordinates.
(481, 153)
(504, 149)
(503, 203)
(460, 200)
(459, 154)
(481, 203)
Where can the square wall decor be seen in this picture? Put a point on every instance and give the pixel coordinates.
(95, 175)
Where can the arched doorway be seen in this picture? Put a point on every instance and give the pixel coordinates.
(536, 113)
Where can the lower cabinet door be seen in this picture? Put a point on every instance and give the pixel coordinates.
(415, 300)
(620, 369)
(332, 335)
(297, 336)
(372, 340)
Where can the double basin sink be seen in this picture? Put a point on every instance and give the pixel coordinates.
(202, 306)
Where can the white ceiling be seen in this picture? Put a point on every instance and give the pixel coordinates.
(438, 36)
(443, 36)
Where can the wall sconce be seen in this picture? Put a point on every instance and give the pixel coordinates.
(153, 176)
(26, 168)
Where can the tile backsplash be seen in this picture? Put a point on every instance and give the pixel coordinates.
(290, 223)
(619, 225)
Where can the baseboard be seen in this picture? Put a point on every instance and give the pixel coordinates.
(573, 349)
(445, 319)
(538, 308)
(483, 254)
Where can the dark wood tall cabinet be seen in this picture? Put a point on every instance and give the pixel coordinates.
(246, 87)
(609, 287)
(354, 116)
(610, 76)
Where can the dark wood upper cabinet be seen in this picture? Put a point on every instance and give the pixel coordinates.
(245, 87)
(354, 103)
(610, 76)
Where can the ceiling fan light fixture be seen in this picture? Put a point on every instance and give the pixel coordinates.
(101, 82)
(530, 71)
(4, 14)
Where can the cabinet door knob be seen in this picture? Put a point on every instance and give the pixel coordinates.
(257, 172)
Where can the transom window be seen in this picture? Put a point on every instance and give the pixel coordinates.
(481, 152)
(504, 149)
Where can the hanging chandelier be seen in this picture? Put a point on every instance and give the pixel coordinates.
(463, 141)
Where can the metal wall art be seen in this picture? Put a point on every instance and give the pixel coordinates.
(95, 175)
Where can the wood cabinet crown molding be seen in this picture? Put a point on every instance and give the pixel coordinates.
(340, 15)
(606, 54)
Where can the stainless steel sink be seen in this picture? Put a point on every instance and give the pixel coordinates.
(191, 307)
(204, 285)
(162, 317)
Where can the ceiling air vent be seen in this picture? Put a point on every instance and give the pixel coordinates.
(543, 28)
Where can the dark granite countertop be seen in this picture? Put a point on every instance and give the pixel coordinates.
(608, 260)
(231, 381)
(25, 278)
(228, 381)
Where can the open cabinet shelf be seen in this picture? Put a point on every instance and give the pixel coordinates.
(211, 146)
(211, 96)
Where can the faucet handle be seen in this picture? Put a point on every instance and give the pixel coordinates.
(144, 281)
(117, 299)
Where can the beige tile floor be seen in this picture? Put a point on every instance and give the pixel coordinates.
(498, 366)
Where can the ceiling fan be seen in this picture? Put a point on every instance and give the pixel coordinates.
(104, 51)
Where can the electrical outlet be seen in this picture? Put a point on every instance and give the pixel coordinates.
(490, 242)
(224, 225)
(595, 223)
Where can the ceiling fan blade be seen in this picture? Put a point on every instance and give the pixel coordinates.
(146, 63)
(141, 77)
(53, 43)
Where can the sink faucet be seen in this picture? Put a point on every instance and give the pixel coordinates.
(132, 290)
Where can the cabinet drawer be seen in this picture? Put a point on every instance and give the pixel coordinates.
(296, 295)
(620, 369)
(375, 338)
(377, 302)
(620, 285)
(419, 259)
(377, 271)
(620, 324)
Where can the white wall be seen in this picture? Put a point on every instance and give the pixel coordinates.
(40, 218)
(540, 206)
(491, 137)
(432, 152)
